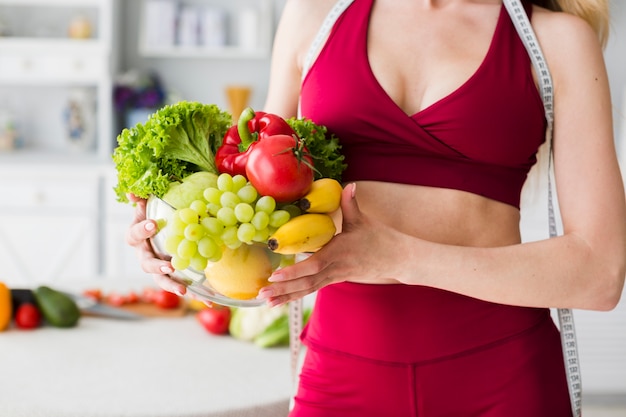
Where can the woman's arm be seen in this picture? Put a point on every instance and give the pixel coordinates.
(299, 23)
(583, 268)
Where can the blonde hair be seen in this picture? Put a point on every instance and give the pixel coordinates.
(594, 12)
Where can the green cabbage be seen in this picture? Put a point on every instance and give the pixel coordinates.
(176, 141)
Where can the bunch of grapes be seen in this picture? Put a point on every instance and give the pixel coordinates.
(230, 214)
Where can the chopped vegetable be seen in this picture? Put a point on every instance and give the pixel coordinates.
(176, 141)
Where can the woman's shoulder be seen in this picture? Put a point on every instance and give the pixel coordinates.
(559, 29)
(568, 42)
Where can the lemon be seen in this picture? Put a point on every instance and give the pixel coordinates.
(240, 273)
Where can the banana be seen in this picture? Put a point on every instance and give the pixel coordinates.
(323, 197)
(305, 233)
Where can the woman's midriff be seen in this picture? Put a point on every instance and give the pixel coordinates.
(402, 323)
(440, 215)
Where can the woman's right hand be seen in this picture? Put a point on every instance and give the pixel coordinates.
(140, 230)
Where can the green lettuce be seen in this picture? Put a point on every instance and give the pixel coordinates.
(323, 147)
(176, 141)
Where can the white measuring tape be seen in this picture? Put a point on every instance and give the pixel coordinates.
(565, 316)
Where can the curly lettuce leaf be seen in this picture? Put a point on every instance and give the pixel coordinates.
(176, 141)
(323, 147)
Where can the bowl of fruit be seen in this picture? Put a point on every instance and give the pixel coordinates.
(231, 208)
(217, 242)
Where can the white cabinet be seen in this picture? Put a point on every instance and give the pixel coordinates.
(43, 70)
(120, 259)
(48, 224)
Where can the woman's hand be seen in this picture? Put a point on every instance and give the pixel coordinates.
(137, 236)
(365, 251)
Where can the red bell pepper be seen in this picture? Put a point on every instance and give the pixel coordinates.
(251, 127)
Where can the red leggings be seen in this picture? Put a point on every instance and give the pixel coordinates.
(521, 374)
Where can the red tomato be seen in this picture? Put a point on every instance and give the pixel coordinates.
(115, 299)
(279, 166)
(27, 316)
(166, 299)
(147, 295)
(94, 293)
(215, 319)
(132, 297)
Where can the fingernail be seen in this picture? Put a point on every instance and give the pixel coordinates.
(166, 270)
(275, 277)
(274, 303)
(149, 226)
(353, 193)
(264, 293)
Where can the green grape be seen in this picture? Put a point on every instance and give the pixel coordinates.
(227, 216)
(216, 257)
(186, 249)
(246, 232)
(238, 182)
(244, 212)
(229, 199)
(188, 215)
(161, 223)
(179, 263)
(247, 194)
(213, 226)
(261, 235)
(234, 245)
(225, 182)
(181, 194)
(199, 207)
(171, 243)
(229, 235)
(260, 220)
(266, 203)
(198, 262)
(207, 247)
(176, 226)
(194, 232)
(279, 217)
(212, 209)
(212, 195)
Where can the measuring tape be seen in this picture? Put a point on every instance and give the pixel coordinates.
(569, 341)
(565, 316)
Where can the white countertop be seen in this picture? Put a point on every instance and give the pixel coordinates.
(157, 367)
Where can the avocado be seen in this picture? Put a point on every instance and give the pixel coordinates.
(57, 308)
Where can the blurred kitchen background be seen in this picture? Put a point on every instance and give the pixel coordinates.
(73, 73)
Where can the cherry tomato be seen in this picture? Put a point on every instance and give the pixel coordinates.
(279, 166)
(147, 295)
(115, 299)
(93, 293)
(215, 319)
(132, 297)
(166, 300)
(27, 316)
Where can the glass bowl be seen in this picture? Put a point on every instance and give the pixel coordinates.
(253, 263)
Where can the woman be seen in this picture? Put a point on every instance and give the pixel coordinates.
(427, 303)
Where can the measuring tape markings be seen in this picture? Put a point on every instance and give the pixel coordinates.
(566, 317)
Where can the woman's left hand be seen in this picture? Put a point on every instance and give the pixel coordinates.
(365, 251)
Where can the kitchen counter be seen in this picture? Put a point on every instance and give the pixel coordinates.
(157, 367)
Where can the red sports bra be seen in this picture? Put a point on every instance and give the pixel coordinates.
(481, 138)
